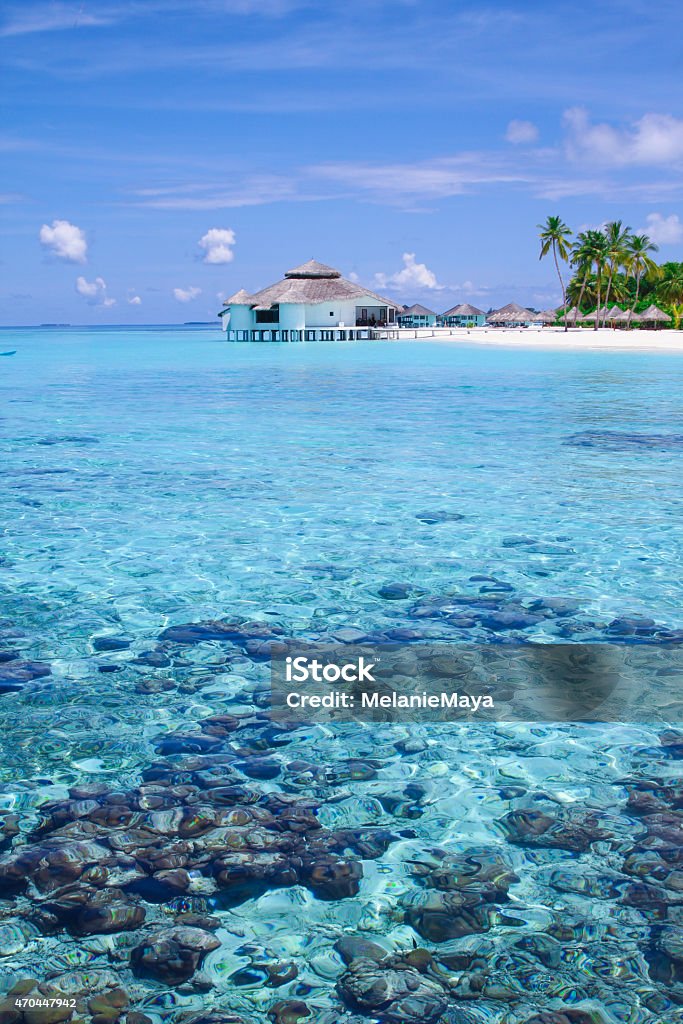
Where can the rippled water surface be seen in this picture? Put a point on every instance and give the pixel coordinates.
(161, 476)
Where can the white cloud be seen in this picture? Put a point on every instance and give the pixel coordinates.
(50, 18)
(655, 139)
(664, 230)
(520, 132)
(255, 190)
(186, 294)
(90, 289)
(94, 291)
(135, 300)
(412, 276)
(217, 245)
(64, 240)
(470, 288)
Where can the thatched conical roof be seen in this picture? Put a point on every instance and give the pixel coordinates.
(654, 314)
(293, 296)
(316, 282)
(571, 314)
(596, 312)
(240, 298)
(312, 268)
(512, 312)
(626, 316)
(417, 310)
(464, 309)
(546, 316)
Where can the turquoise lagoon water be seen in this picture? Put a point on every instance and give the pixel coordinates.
(154, 477)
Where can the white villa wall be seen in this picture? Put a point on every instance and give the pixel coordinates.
(343, 311)
(292, 317)
(240, 318)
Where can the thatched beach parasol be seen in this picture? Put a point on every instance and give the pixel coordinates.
(546, 316)
(625, 316)
(654, 315)
(596, 312)
(572, 315)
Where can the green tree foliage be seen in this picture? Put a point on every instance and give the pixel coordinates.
(613, 266)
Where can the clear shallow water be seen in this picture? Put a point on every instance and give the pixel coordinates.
(157, 477)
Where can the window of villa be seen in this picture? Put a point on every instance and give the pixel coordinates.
(331, 312)
(268, 316)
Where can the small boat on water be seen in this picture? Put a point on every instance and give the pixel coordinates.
(12, 353)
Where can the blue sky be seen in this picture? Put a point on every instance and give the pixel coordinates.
(159, 154)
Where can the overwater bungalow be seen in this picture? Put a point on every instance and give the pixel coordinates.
(313, 302)
(416, 316)
(463, 315)
(512, 315)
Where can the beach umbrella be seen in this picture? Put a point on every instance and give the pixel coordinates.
(653, 314)
(571, 315)
(625, 316)
(592, 315)
(546, 316)
(614, 313)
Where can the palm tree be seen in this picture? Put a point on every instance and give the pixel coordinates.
(597, 254)
(581, 257)
(639, 263)
(670, 289)
(582, 289)
(555, 237)
(617, 246)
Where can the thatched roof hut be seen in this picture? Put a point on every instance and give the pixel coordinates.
(654, 315)
(464, 309)
(546, 316)
(512, 313)
(572, 315)
(315, 282)
(240, 298)
(416, 310)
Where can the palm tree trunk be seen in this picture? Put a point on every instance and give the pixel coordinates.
(635, 302)
(607, 291)
(564, 293)
(597, 311)
(580, 298)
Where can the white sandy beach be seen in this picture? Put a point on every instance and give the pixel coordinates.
(578, 339)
